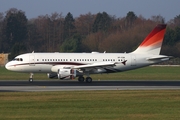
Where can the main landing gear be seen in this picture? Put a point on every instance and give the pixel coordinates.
(80, 79)
(88, 79)
(31, 78)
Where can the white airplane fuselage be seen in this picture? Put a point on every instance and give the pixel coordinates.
(44, 62)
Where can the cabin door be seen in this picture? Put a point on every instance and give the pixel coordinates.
(31, 60)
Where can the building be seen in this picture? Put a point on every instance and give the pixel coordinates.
(3, 59)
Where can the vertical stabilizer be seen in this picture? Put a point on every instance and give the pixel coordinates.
(153, 42)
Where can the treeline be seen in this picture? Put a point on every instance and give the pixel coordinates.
(89, 32)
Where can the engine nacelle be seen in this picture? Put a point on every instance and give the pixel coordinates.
(66, 74)
(52, 75)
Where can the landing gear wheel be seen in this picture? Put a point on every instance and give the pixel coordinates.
(31, 80)
(81, 79)
(88, 79)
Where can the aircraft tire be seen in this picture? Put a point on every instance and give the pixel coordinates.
(88, 79)
(81, 79)
(31, 80)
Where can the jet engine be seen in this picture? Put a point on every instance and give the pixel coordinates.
(66, 73)
(52, 75)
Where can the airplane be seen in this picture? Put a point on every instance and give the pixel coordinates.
(71, 65)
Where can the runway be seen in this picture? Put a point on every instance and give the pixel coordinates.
(56, 85)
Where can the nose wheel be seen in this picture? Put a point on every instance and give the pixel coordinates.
(31, 78)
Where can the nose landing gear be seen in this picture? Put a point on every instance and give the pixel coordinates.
(31, 78)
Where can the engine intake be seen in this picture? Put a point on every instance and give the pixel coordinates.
(52, 75)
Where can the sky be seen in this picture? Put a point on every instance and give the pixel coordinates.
(119, 8)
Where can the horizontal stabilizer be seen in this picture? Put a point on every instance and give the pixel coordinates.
(163, 58)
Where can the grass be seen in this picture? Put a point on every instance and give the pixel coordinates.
(147, 73)
(91, 105)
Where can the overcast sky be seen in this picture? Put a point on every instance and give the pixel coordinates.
(147, 8)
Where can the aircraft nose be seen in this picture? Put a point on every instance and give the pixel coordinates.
(7, 66)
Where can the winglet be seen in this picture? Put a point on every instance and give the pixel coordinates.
(153, 42)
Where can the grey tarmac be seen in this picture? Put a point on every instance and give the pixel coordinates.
(57, 85)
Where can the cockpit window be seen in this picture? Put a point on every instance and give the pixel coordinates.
(17, 59)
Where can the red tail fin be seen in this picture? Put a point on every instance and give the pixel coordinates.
(153, 42)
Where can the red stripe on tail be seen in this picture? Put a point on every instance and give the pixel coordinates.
(153, 42)
(156, 35)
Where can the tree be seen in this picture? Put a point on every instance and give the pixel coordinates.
(130, 18)
(72, 44)
(17, 49)
(158, 19)
(15, 28)
(69, 26)
(84, 24)
(177, 20)
(172, 36)
(1, 34)
(102, 22)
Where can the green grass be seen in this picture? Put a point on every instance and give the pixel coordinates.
(147, 73)
(91, 105)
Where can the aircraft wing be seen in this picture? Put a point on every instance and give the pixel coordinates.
(86, 67)
(96, 65)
